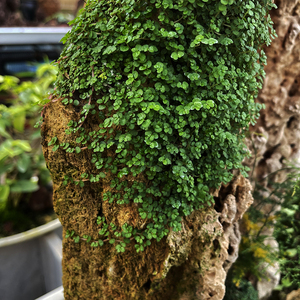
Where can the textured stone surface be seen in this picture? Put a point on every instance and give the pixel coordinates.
(294, 295)
(275, 141)
(277, 138)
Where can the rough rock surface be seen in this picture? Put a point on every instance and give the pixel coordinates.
(294, 295)
(187, 265)
(275, 141)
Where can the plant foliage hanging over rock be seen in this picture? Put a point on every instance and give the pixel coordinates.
(162, 93)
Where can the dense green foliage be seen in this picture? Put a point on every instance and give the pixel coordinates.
(172, 83)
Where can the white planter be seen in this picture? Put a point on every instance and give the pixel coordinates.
(31, 35)
(30, 262)
(57, 294)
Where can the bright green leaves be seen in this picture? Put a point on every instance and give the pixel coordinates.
(108, 122)
(159, 67)
(168, 34)
(121, 247)
(109, 50)
(4, 193)
(197, 104)
(227, 2)
(197, 40)
(184, 85)
(55, 148)
(76, 239)
(135, 53)
(193, 76)
(225, 41)
(204, 40)
(77, 150)
(223, 5)
(209, 41)
(123, 172)
(177, 55)
(53, 141)
(166, 159)
(179, 28)
(131, 77)
(124, 48)
(146, 124)
(152, 49)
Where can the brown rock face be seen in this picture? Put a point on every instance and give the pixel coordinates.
(276, 139)
(187, 265)
(278, 127)
(294, 295)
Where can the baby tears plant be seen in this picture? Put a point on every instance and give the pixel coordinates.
(171, 85)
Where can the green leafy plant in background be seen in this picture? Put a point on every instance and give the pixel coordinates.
(171, 85)
(255, 254)
(287, 233)
(244, 290)
(22, 165)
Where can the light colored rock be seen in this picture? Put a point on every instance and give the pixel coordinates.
(294, 295)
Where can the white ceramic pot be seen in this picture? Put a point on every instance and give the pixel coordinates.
(57, 294)
(30, 262)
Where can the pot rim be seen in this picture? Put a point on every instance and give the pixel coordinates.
(30, 234)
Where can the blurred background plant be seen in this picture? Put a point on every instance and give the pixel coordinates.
(244, 290)
(25, 183)
(287, 233)
(256, 252)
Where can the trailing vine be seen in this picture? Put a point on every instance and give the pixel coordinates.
(171, 84)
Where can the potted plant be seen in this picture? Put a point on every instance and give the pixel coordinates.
(26, 191)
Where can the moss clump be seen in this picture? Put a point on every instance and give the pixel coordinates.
(171, 87)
